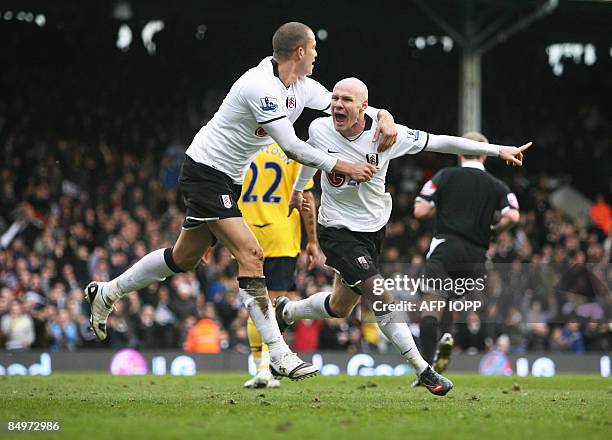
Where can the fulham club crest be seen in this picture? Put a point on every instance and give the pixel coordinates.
(291, 102)
(363, 262)
(372, 158)
(226, 200)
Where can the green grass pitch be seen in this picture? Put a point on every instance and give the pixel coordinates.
(214, 406)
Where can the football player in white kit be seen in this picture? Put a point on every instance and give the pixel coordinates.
(353, 215)
(258, 110)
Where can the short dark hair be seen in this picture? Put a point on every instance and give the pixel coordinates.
(289, 37)
(475, 136)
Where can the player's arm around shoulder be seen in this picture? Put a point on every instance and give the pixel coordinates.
(386, 129)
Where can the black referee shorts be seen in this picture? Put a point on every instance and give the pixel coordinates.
(209, 194)
(456, 259)
(354, 255)
(280, 273)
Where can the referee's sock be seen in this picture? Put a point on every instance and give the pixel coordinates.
(429, 337)
(314, 307)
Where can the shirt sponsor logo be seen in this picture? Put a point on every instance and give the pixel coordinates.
(226, 200)
(336, 179)
(268, 104)
(512, 201)
(260, 132)
(372, 158)
(414, 134)
(291, 101)
(363, 262)
(429, 189)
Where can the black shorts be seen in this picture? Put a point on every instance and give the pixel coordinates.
(354, 255)
(209, 194)
(280, 273)
(458, 260)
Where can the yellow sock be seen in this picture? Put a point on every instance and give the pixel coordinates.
(261, 355)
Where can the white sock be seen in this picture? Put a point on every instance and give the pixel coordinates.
(254, 295)
(149, 269)
(400, 336)
(312, 307)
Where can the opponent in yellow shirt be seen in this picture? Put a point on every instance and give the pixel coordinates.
(264, 204)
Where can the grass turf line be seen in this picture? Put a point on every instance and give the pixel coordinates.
(215, 406)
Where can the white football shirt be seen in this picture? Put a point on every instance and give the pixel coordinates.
(232, 138)
(360, 207)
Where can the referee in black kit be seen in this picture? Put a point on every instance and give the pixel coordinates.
(464, 199)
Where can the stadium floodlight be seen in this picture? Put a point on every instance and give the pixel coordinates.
(124, 38)
(575, 51)
(201, 32)
(322, 34)
(447, 43)
(590, 57)
(40, 20)
(148, 32)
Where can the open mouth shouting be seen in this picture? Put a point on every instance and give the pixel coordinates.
(340, 117)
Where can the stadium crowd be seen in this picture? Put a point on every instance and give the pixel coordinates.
(86, 191)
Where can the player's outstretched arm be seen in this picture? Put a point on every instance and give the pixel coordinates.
(459, 145)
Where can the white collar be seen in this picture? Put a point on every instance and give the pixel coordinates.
(473, 164)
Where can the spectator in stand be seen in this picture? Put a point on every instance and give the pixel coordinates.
(334, 335)
(601, 214)
(63, 331)
(471, 335)
(571, 337)
(147, 330)
(205, 336)
(306, 339)
(16, 328)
